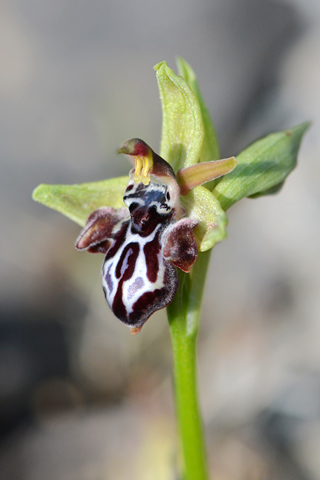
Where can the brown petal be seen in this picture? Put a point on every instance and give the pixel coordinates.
(96, 235)
(179, 244)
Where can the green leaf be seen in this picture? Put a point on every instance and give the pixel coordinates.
(210, 146)
(270, 191)
(201, 204)
(262, 167)
(182, 127)
(78, 201)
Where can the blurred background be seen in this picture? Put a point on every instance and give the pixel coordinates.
(80, 398)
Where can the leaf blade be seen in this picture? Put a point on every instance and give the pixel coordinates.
(210, 146)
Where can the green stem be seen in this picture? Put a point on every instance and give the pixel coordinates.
(183, 315)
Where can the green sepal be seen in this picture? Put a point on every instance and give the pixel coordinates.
(78, 201)
(262, 167)
(182, 126)
(210, 146)
(202, 205)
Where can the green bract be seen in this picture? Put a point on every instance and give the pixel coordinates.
(262, 167)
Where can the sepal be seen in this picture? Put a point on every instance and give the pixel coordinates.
(182, 125)
(78, 201)
(210, 148)
(202, 205)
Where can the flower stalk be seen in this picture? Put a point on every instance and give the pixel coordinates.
(184, 315)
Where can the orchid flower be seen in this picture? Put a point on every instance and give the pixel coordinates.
(147, 240)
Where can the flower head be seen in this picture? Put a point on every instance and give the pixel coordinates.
(145, 242)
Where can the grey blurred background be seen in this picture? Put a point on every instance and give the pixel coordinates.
(80, 398)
